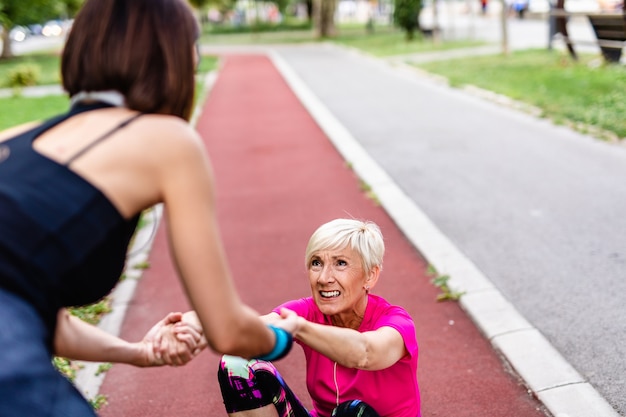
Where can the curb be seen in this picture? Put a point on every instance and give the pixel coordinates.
(562, 390)
(38, 91)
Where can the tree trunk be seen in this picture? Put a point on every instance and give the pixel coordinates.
(309, 10)
(324, 11)
(504, 41)
(7, 52)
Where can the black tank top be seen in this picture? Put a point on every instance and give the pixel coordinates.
(62, 242)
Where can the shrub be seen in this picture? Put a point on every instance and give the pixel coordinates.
(406, 16)
(24, 75)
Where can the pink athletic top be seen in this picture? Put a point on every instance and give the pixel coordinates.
(393, 392)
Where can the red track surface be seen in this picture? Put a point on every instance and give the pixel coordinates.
(278, 178)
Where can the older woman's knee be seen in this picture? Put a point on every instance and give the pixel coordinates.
(235, 366)
(354, 408)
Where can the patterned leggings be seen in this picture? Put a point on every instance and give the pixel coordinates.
(247, 385)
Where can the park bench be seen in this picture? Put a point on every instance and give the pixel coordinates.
(610, 30)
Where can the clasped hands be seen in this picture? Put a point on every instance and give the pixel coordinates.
(178, 338)
(173, 341)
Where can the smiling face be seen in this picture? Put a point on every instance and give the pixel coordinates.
(338, 285)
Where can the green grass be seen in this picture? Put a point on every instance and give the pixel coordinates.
(17, 110)
(383, 41)
(48, 64)
(289, 25)
(290, 31)
(581, 92)
(207, 63)
(257, 38)
(92, 313)
(386, 41)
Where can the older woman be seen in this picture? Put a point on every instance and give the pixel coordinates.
(361, 351)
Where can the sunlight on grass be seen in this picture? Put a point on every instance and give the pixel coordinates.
(48, 64)
(260, 38)
(389, 42)
(17, 110)
(583, 92)
(385, 40)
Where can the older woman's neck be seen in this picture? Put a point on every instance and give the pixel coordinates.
(352, 319)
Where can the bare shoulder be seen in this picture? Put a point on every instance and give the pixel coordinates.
(169, 137)
(169, 129)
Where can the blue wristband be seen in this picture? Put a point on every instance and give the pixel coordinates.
(283, 344)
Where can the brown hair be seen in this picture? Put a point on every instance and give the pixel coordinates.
(141, 48)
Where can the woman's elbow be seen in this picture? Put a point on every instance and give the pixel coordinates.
(230, 340)
(225, 343)
(61, 333)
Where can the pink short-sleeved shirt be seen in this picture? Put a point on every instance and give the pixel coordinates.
(393, 392)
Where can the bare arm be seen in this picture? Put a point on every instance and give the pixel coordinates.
(75, 339)
(229, 326)
(372, 350)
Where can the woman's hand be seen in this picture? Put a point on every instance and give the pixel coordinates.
(189, 330)
(172, 341)
(288, 321)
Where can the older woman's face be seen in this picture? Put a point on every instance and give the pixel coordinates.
(338, 281)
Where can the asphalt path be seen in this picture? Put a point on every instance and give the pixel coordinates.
(537, 207)
(36, 43)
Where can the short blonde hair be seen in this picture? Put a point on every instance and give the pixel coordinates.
(364, 237)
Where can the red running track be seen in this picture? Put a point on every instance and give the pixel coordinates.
(278, 178)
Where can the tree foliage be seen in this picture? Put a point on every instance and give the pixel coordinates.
(406, 16)
(72, 7)
(199, 4)
(281, 5)
(26, 12)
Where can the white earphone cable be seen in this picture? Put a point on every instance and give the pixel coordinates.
(335, 379)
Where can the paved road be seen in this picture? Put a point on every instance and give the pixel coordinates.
(536, 207)
(36, 43)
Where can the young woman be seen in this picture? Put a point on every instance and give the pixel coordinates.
(72, 189)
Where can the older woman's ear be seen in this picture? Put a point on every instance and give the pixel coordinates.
(372, 278)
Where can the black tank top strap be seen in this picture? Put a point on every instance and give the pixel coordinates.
(102, 137)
